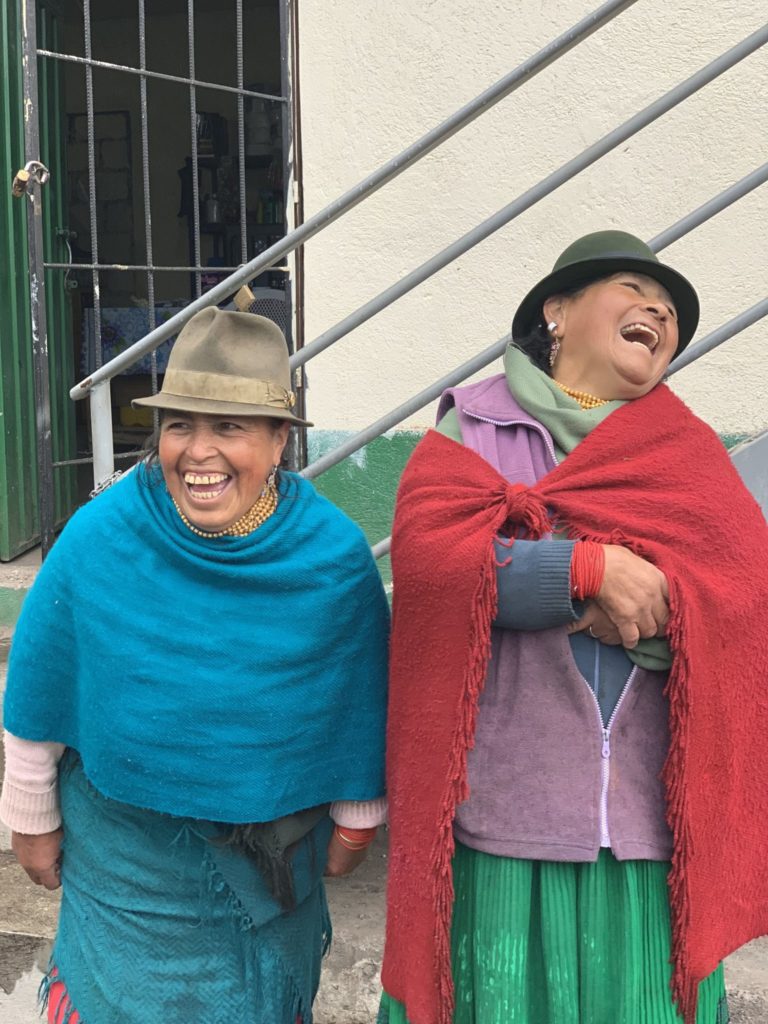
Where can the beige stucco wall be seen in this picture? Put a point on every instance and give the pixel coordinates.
(376, 75)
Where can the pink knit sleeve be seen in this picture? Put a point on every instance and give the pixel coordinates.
(359, 813)
(29, 802)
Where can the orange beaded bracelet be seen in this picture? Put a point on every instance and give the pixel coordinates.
(355, 838)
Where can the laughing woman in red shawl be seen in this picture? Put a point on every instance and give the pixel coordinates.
(578, 780)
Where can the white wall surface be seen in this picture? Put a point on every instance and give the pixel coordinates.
(375, 75)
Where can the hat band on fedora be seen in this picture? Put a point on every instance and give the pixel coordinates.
(219, 387)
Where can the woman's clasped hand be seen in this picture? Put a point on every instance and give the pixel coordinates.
(632, 603)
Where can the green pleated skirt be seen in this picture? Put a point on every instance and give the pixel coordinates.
(539, 942)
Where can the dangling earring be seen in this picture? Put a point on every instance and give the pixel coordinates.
(270, 485)
(554, 348)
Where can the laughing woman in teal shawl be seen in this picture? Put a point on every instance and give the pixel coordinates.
(195, 710)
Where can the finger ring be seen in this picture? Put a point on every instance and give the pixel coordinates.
(592, 634)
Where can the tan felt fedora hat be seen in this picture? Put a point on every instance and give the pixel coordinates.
(230, 363)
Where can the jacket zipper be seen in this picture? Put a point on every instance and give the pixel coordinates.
(520, 423)
(605, 754)
(605, 731)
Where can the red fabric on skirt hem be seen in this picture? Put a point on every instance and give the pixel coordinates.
(58, 1001)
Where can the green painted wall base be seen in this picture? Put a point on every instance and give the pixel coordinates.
(365, 484)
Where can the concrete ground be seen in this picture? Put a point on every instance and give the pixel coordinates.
(349, 990)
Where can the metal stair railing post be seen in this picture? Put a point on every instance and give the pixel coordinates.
(533, 195)
(478, 362)
(101, 440)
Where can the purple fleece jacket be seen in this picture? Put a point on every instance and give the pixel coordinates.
(549, 780)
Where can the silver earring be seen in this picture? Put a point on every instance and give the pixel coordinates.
(552, 326)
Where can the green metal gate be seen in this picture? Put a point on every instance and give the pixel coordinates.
(21, 415)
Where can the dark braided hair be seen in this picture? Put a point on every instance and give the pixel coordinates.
(536, 345)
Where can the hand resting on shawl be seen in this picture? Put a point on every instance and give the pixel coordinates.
(632, 601)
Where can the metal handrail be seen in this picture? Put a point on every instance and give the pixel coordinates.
(368, 186)
(478, 362)
(712, 207)
(711, 341)
(727, 330)
(408, 408)
(145, 73)
(553, 181)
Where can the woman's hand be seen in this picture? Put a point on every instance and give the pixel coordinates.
(598, 624)
(634, 594)
(40, 856)
(342, 860)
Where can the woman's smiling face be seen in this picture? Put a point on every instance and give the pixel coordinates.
(215, 467)
(617, 336)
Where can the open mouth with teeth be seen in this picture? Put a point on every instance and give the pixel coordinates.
(640, 334)
(206, 486)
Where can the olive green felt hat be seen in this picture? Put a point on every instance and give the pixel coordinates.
(235, 364)
(601, 254)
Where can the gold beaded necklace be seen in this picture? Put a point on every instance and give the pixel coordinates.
(257, 514)
(585, 400)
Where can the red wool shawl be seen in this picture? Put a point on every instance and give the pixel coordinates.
(656, 479)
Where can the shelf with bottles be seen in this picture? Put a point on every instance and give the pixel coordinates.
(219, 193)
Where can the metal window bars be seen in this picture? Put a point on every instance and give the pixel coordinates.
(97, 384)
(94, 265)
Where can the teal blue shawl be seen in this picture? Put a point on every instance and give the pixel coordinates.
(234, 679)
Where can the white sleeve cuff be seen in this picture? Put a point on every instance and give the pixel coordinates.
(359, 813)
(29, 802)
(32, 814)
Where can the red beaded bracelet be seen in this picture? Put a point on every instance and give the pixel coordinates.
(587, 569)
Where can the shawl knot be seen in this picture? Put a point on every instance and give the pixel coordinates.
(525, 509)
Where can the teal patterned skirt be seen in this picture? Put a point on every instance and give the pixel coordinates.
(162, 924)
(539, 942)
